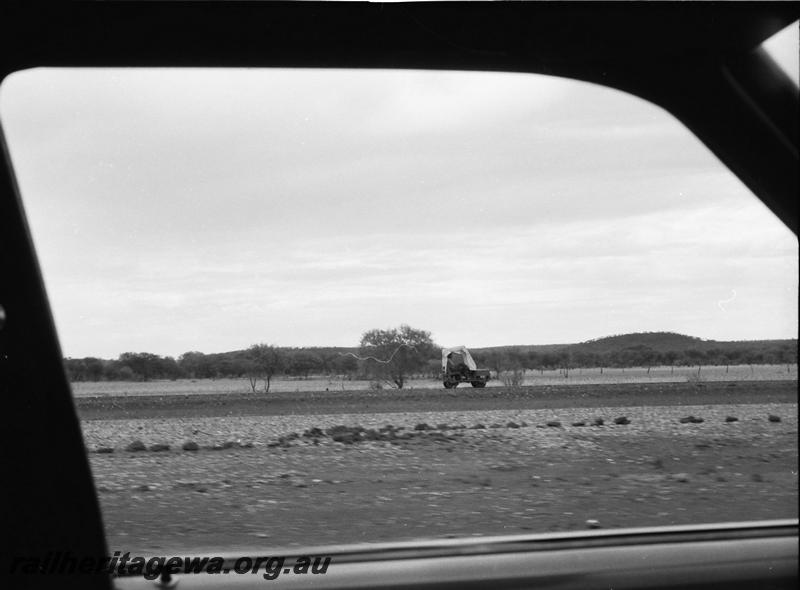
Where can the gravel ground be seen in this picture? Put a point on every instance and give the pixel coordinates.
(263, 430)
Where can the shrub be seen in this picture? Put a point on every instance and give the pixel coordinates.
(190, 445)
(136, 446)
(513, 379)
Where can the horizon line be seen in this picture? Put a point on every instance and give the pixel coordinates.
(589, 341)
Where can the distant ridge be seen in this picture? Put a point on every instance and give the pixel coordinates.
(657, 341)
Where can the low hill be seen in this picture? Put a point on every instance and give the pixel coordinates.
(640, 349)
(659, 342)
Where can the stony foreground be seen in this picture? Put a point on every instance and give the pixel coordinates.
(269, 481)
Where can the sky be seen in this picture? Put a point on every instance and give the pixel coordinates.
(179, 210)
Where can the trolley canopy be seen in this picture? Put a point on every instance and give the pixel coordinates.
(457, 355)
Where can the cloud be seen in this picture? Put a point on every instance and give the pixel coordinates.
(178, 210)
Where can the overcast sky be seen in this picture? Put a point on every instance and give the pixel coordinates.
(212, 209)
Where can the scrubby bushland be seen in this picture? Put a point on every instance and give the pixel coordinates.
(420, 357)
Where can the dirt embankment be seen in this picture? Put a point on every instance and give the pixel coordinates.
(338, 478)
(432, 400)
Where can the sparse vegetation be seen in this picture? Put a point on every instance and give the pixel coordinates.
(513, 379)
(510, 364)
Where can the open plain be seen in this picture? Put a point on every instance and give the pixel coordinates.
(244, 471)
